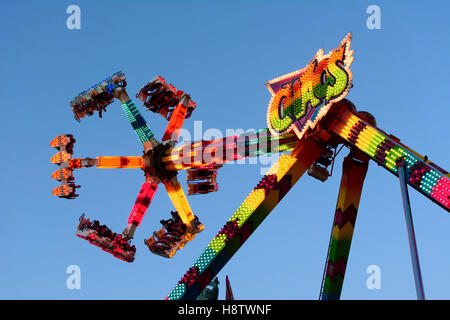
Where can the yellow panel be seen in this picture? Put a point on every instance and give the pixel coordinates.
(282, 166)
(179, 200)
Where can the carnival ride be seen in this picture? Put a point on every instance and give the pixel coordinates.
(311, 102)
(308, 115)
(160, 163)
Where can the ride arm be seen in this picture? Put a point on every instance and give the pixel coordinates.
(353, 174)
(145, 197)
(421, 174)
(255, 208)
(218, 151)
(137, 121)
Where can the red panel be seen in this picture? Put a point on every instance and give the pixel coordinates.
(143, 201)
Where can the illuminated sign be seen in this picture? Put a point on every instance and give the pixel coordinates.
(303, 97)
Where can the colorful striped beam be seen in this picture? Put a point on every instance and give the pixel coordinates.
(181, 204)
(137, 122)
(425, 159)
(142, 203)
(176, 122)
(255, 208)
(176, 194)
(99, 162)
(353, 175)
(219, 151)
(426, 178)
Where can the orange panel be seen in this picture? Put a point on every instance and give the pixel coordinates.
(120, 162)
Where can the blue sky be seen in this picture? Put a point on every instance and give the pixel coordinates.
(221, 53)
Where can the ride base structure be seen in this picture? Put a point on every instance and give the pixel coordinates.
(308, 115)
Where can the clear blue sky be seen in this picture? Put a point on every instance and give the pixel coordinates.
(221, 53)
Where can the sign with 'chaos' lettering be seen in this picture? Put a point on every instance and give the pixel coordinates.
(303, 97)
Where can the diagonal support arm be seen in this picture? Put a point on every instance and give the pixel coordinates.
(353, 174)
(180, 202)
(144, 198)
(137, 121)
(176, 121)
(255, 208)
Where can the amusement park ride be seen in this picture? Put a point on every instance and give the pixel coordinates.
(308, 115)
